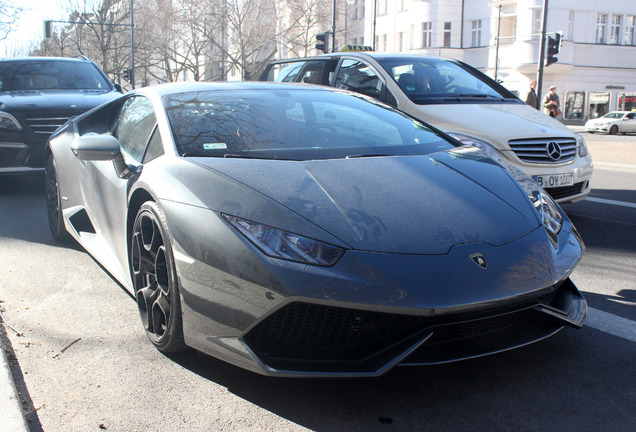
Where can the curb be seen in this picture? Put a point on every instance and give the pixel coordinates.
(12, 418)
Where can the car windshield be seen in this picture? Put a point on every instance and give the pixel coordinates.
(299, 124)
(50, 75)
(433, 80)
(614, 115)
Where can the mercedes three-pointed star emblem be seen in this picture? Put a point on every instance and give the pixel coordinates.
(554, 150)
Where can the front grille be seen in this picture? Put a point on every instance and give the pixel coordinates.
(536, 150)
(565, 191)
(465, 330)
(317, 333)
(46, 125)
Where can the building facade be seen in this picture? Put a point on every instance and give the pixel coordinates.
(596, 68)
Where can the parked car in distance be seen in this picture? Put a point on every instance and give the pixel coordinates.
(613, 122)
(462, 102)
(39, 94)
(249, 224)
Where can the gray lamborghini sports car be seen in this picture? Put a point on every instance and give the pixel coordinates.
(303, 231)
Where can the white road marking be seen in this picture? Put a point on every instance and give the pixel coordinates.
(612, 324)
(615, 166)
(611, 202)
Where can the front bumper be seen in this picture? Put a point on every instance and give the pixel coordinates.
(371, 311)
(21, 151)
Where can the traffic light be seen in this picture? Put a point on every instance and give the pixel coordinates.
(126, 75)
(48, 29)
(554, 45)
(322, 43)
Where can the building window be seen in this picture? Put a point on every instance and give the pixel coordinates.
(570, 34)
(536, 23)
(627, 101)
(447, 34)
(400, 40)
(476, 34)
(574, 105)
(601, 24)
(629, 30)
(412, 37)
(402, 6)
(615, 32)
(427, 34)
(599, 104)
(384, 43)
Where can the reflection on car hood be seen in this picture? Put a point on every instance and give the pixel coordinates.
(405, 204)
(491, 122)
(82, 100)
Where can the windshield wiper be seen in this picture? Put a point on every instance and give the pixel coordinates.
(479, 96)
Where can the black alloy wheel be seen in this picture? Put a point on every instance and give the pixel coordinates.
(155, 280)
(54, 203)
(613, 130)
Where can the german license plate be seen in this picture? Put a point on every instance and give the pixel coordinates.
(555, 180)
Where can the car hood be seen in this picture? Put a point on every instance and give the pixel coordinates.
(72, 100)
(404, 204)
(494, 123)
(599, 121)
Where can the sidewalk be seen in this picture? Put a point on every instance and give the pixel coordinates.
(12, 417)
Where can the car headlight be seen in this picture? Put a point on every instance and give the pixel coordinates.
(581, 145)
(481, 144)
(281, 244)
(7, 121)
(548, 211)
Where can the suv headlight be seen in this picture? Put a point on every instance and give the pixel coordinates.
(581, 145)
(281, 244)
(549, 213)
(7, 121)
(484, 146)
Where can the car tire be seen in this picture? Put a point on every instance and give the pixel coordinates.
(155, 281)
(613, 130)
(54, 203)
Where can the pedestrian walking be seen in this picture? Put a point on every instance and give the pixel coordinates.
(551, 104)
(531, 96)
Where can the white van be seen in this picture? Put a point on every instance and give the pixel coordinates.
(462, 102)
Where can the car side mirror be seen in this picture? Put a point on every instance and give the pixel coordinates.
(118, 87)
(625, 118)
(95, 147)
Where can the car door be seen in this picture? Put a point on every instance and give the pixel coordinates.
(105, 190)
(629, 125)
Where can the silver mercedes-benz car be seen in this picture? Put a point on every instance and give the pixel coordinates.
(307, 231)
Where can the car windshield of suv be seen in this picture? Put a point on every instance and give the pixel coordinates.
(300, 124)
(50, 75)
(433, 80)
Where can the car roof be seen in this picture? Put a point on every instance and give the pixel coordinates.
(364, 55)
(40, 59)
(183, 87)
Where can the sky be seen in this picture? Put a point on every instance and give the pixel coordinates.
(30, 27)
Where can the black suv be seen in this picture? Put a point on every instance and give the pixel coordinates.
(39, 94)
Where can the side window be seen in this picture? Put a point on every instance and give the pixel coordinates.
(285, 72)
(312, 72)
(155, 148)
(358, 77)
(135, 123)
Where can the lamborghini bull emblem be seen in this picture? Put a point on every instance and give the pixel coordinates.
(480, 260)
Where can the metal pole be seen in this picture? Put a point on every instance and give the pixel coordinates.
(497, 49)
(375, 13)
(333, 29)
(542, 53)
(132, 45)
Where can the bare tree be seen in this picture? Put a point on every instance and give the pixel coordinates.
(9, 14)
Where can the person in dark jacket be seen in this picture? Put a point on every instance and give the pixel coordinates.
(531, 97)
